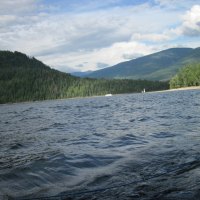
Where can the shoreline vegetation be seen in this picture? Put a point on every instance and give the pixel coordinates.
(187, 76)
(96, 96)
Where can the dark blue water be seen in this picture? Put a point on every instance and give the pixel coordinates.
(139, 146)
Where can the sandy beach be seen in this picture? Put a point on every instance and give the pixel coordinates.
(183, 88)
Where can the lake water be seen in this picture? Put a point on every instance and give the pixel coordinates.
(136, 146)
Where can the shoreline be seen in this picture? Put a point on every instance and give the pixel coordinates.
(179, 89)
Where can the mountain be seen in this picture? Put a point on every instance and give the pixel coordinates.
(81, 74)
(23, 78)
(158, 66)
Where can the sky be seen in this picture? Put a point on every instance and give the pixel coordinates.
(82, 35)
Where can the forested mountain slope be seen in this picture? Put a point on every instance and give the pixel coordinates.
(23, 78)
(158, 66)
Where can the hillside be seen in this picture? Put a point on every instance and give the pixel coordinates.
(26, 79)
(158, 66)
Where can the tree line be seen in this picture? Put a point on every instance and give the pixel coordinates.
(187, 76)
(26, 79)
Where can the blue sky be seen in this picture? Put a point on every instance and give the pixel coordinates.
(81, 35)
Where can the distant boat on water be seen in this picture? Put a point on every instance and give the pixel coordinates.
(143, 91)
(108, 95)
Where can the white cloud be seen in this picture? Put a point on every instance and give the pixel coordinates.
(154, 37)
(177, 5)
(6, 19)
(17, 6)
(111, 55)
(86, 32)
(191, 22)
(45, 34)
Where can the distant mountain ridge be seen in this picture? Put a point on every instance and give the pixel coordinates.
(81, 74)
(157, 66)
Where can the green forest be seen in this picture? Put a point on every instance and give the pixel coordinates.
(187, 76)
(24, 78)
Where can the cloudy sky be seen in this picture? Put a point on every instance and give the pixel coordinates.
(81, 35)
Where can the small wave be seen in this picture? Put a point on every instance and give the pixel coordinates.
(163, 135)
(44, 129)
(128, 139)
(186, 167)
(98, 180)
(143, 119)
(57, 125)
(189, 117)
(28, 118)
(100, 134)
(28, 109)
(16, 146)
(164, 116)
(102, 106)
(132, 120)
(64, 107)
(88, 161)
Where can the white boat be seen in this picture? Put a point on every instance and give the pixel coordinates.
(108, 95)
